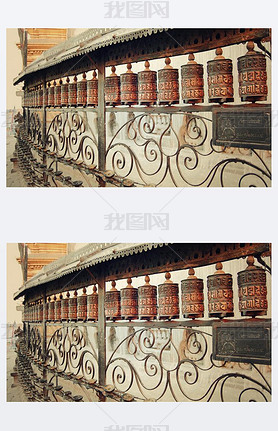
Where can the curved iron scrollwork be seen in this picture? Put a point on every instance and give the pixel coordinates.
(66, 136)
(69, 350)
(35, 131)
(167, 149)
(35, 344)
(150, 365)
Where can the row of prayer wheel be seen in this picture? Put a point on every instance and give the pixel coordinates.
(150, 302)
(132, 89)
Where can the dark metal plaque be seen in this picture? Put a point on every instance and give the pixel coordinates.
(242, 127)
(248, 341)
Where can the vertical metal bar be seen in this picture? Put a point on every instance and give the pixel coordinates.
(44, 157)
(101, 120)
(101, 334)
(44, 342)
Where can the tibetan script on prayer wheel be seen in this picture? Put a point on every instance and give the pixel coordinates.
(220, 293)
(192, 296)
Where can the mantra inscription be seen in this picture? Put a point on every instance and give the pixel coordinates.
(242, 341)
(246, 128)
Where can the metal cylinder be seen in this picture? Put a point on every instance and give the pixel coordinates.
(92, 305)
(40, 307)
(113, 303)
(50, 95)
(82, 91)
(192, 296)
(45, 96)
(65, 93)
(51, 310)
(92, 90)
(57, 94)
(129, 87)
(112, 88)
(58, 308)
(82, 306)
(168, 299)
(147, 86)
(129, 301)
(168, 84)
(192, 81)
(252, 76)
(73, 307)
(252, 290)
(220, 293)
(220, 79)
(45, 311)
(65, 307)
(147, 300)
(40, 97)
(72, 93)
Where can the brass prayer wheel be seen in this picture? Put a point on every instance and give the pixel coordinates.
(57, 93)
(65, 93)
(82, 91)
(82, 306)
(45, 311)
(252, 290)
(45, 96)
(112, 88)
(129, 87)
(220, 293)
(147, 302)
(168, 299)
(50, 95)
(192, 296)
(92, 305)
(168, 84)
(92, 90)
(192, 81)
(129, 301)
(147, 87)
(72, 93)
(252, 76)
(51, 310)
(65, 307)
(220, 79)
(113, 303)
(58, 308)
(73, 307)
(40, 97)
(40, 317)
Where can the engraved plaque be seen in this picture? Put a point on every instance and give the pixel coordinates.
(248, 342)
(244, 128)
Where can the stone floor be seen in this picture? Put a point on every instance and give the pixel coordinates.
(13, 179)
(14, 393)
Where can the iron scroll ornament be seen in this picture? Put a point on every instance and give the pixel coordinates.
(147, 373)
(35, 344)
(143, 153)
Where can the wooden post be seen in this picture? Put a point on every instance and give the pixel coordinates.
(101, 335)
(101, 120)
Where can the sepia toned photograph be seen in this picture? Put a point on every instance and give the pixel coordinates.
(138, 107)
(138, 322)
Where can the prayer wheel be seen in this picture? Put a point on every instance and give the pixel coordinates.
(45, 311)
(82, 91)
(57, 93)
(73, 307)
(65, 307)
(82, 306)
(147, 87)
(220, 293)
(92, 90)
(129, 301)
(220, 79)
(252, 290)
(168, 299)
(92, 305)
(192, 81)
(129, 87)
(40, 317)
(37, 97)
(112, 88)
(113, 303)
(58, 308)
(51, 310)
(192, 296)
(50, 94)
(168, 84)
(147, 301)
(40, 97)
(72, 93)
(45, 96)
(65, 93)
(252, 76)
